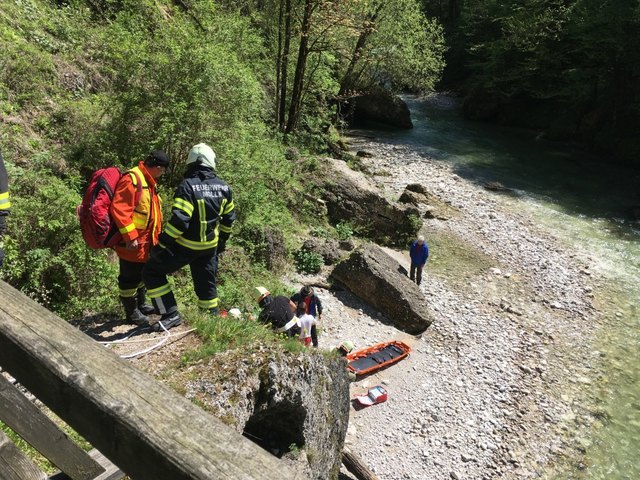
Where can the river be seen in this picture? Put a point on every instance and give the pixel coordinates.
(586, 203)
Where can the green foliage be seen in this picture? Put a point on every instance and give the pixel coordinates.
(222, 334)
(530, 60)
(391, 43)
(89, 84)
(238, 277)
(308, 262)
(46, 255)
(173, 89)
(407, 48)
(344, 230)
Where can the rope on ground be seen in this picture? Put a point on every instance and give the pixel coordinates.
(151, 348)
(125, 340)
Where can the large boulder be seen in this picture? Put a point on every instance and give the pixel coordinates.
(431, 206)
(371, 274)
(351, 197)
(296, 406)
(329, 248)
(267, 245)
(381, 107)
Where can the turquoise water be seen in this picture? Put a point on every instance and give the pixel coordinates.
(587, 205)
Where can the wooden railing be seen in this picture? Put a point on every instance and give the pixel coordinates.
(146, 429)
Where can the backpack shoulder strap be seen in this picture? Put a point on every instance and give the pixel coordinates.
(137, 182)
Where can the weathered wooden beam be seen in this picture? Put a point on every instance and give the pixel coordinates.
(111, 472)
(356, 466)
(39, 431)
(145, 428)
(14, 465)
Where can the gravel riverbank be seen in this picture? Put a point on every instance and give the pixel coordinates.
(493, 386)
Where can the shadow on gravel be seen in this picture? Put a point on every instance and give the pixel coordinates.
(351, 301)
(106, 328)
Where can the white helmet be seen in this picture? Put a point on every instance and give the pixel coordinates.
(204, 154)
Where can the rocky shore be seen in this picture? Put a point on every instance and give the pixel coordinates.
(492, 388)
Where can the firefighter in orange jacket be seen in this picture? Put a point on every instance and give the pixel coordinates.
(140, 224)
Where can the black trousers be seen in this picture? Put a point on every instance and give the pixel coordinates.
(130, 278)
(204, 269)
(415, 274)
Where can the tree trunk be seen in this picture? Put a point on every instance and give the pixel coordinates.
(298, 81)
(284, 64)
(368, 28)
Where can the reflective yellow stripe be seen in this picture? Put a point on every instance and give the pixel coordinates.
(224, 228)
(127, 229)
(208, 303)
(197, 245)
(136, 173)
(203, 220)
(4, 201)
(230, 206)
(128, 293)
(158, 292)
(182, 204)
(172, 231)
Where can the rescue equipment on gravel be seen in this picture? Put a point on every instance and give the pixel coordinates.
(96, 224)
(374, 396)
(370, 359)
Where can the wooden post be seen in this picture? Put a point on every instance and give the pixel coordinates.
(28, 421)
(145, 428)
(355, 465)
(14, 465)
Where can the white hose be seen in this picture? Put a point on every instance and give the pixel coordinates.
(146, 350)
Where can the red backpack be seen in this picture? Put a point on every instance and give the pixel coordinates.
(96, 224)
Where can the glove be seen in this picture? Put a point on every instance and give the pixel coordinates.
(156, 251)
(3, 224)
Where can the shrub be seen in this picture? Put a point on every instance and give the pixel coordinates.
(344, 230)
(46, 254)
(308, 262)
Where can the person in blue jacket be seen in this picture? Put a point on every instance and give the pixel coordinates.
(419, 253)
(311, 300)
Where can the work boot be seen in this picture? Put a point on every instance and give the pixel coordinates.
(168, 320)
(134, 315)
(145, 308)
(214, 311)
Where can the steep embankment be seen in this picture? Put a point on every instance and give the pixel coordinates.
(490, 386)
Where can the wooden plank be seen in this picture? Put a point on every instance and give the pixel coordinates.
(15, 465)
(111, 472)
(39, 431)
(141, 425)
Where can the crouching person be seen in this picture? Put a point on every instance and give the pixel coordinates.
(278, 312)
